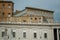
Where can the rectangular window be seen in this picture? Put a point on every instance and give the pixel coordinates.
(3, 5)
(13, 34)
(45, 35)
(9, 5)
(3, 14)
(24, 34)
(55, 33)
(35, 35)
(3, 33)
(9, 15)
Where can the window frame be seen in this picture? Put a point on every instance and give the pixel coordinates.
(14, 35)
(24, 34)
(3, 33)
(35, 35)
(45, 35)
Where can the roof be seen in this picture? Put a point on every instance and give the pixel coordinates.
(6, 2)
(39, 9)
(22, 12)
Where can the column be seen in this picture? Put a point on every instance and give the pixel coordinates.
(57, 34)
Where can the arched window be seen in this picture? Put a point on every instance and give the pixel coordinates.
(45, 35)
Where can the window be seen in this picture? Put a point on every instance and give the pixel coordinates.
(13, 34)
(9, 6)
(3, 14)
(35, 18)
(9, 15)
(24, 20)
(35, 35)
(24, 34)
(3, 5)
(45, 35)
(3, 33)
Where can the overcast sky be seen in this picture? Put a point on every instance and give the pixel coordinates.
(44, 4)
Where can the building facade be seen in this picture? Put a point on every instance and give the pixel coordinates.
(29, 24)
(6, 9)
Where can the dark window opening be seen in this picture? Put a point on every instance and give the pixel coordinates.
(8, 13)
(3, 33)
(35, 18)
(45, 35)
(55, 34)
(59, 36)
(35, 35)
(24, 34)
(13, 34)
(24, 20)
(3, 14)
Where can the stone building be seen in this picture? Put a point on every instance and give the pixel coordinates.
(29, 24)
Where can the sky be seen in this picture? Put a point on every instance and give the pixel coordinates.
(44, 4)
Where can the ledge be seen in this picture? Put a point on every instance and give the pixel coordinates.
(19, 23)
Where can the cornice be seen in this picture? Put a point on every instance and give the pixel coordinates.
(30, 24)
